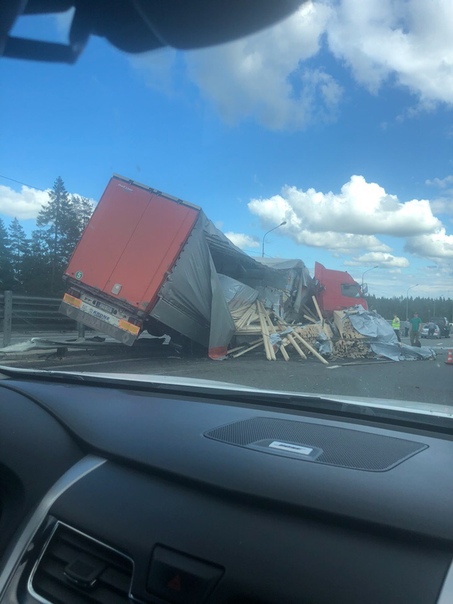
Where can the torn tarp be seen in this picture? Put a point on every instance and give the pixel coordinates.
(402, 352)
(192, 300)
(370, 324)
(236, 294)
(210, 278)
(382, 338)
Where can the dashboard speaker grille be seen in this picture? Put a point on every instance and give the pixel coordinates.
(344, 447)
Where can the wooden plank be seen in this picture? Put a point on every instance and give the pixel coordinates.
(253, 317)
(270, 354)
(292, 341)
(296, 346)
(238, 312)
(271, 347)
(309, 311)
(243, 320)
(310, 319)
(238, 354)
(315, 302)
(273, 330)
(248, 331)
(243, 346)
(310, 348)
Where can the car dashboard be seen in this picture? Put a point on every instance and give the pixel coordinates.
(115, 492)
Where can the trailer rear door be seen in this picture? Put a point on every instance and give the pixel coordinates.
(131, 242)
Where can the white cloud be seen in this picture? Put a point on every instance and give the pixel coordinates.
(242, 241)
(156, 67)
(436, 246)
(266, 76)
(261, 75)
(409, 42)
(349, 220)
(444, 203)
(338, 242)
(24, 204)
(442, 183)
(379, 259)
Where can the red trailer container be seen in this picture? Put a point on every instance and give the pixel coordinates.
(115, 273)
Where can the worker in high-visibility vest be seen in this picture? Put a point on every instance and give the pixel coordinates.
(396, 326)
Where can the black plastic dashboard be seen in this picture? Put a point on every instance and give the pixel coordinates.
(190, 498)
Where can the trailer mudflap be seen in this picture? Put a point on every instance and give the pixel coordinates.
(126, 335)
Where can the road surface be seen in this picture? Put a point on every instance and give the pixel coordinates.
(423, 381)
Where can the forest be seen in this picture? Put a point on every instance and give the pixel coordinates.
(425, 307)
(34, 265)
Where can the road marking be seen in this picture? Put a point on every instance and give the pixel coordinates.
(91, 364)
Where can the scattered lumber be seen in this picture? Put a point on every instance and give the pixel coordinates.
(315, 304)
(263, 328)
(269, 349)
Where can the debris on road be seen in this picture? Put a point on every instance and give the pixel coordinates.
(354, 333)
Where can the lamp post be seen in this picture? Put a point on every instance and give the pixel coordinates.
(367, 271)
(407, 299)
(267, 233)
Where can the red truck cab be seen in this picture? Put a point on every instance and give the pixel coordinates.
(337, 290)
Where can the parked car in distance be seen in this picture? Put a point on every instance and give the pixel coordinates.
(425, 331)
(444, 326)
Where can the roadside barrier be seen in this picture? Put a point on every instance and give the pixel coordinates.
(19, 313)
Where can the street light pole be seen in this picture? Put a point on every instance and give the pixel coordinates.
(407, 299)
(267, 233)
(367, 271)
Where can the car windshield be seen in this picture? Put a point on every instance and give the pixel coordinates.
(271, 209)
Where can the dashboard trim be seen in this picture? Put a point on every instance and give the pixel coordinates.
(30, 588)
(446, 591)
(69, 478)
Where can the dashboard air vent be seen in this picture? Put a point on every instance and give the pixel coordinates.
(77, 569)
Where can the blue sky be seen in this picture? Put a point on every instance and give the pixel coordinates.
(338, 120)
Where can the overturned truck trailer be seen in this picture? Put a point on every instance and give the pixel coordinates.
(149, 261)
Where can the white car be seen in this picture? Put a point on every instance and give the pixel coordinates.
(425, 331)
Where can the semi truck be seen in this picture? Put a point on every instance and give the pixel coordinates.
(151, 261)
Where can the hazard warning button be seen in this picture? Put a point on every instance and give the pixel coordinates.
(178, 578)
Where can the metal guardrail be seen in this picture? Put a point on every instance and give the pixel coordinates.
(20, 313)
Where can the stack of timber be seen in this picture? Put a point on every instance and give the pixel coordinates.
(344, 326)
(352, 349)
(351, 344)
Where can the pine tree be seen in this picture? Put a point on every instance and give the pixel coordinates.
(37, 265)
(84, 209)
(63, 231)
(18, 249)
(6, 271)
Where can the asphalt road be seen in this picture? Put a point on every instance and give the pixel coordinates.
(423, 381)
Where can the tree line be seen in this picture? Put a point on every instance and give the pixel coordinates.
(425, 307)
(34, 265)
